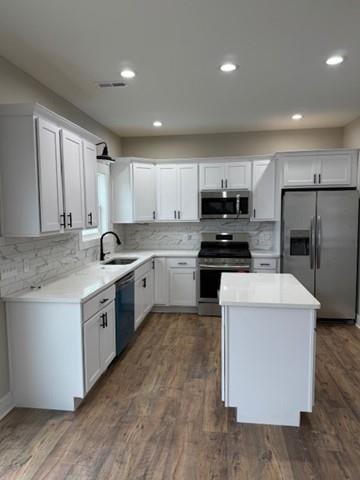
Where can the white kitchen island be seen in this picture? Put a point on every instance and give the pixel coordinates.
(267, 347)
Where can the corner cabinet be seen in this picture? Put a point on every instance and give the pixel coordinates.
(177, 192)
(43, 163)
(320, 169)
(232, 175)
(133, 191)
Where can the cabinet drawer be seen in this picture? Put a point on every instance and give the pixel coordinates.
(265, 263)
(143, 270)
(182, 262)
(98, 302)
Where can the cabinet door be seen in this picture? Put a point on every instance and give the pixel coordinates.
(139, 301)
(161, 287)
(73, 180)
(263, 190)
(188, 192)
(149, 292)
(92, 351)
(238, 175)
(144, 192)
(107, 337)
(336, 170)
(166, 192)
(300, 171)
(50, 184)
(90, 185)
(212, 176)
(183, 287)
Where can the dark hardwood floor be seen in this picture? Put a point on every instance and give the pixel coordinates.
(157, 414)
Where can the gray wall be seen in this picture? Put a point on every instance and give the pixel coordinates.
(352, 134)
(226, 144)
(48, 257)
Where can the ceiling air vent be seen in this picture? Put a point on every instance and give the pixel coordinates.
(116, 83)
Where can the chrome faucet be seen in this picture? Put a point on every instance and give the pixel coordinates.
(102, 253)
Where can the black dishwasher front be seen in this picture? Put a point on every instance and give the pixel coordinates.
(125, 315)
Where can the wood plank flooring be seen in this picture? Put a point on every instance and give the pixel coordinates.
(157, 415)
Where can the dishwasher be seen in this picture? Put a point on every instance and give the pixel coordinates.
(124, 308)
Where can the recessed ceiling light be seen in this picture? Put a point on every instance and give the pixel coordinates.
(127, 73)
(228, 67)
(335, 60)
(157, 123)
(297, 116)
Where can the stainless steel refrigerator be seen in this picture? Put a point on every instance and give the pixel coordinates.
(320, 247)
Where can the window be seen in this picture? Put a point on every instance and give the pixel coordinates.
(92, 235)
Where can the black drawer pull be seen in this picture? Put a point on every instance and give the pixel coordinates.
(104, 300)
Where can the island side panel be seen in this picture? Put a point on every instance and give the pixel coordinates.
(269, 363)
(46, 354)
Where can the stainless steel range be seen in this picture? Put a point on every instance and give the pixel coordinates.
(220, 252)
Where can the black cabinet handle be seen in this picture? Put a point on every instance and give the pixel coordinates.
(103, 324)
(314, 177)
(62, 220)
(319, 177)
(104, 300)
(254, 212)
(106, 320)
(178, 214)
(175, 214)
(154, 215)
(70, 219)
(90, 217)
(144, 282)
(226, 183)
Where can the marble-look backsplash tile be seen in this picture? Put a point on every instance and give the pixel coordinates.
(188, 235)
(26, 262)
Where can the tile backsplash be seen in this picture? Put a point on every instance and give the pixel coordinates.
(26, 262)
(188, 235)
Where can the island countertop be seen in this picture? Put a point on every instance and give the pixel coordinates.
(278, 290)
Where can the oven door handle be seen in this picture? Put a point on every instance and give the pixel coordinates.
(225, 267)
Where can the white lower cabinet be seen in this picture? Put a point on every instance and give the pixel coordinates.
(265, 265)
(183, 287)
(161, 282)
(99, 344)
(144, 292)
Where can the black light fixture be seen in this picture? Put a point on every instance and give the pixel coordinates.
(105, 155)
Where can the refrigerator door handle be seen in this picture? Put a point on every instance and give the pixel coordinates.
(318, 241)
(312, 242)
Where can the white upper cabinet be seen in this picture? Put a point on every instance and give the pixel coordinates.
(90, 185)
(188, 192)
(232, 175)
(133, 191)
(238, 175)
(144, 192)
(42, 171)
(177, 192)
(212, 176)
(166, 192)
(320, 169)
(73, 178)
(50, 185)
(263, 190)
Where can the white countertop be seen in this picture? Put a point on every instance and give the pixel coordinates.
(277, 290)
(83, 284)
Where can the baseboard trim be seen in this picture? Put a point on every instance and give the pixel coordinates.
(6, 405)
(170, 309)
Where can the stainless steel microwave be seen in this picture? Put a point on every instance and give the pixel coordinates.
(225, 204)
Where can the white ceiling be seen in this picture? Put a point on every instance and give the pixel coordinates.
(176, 46)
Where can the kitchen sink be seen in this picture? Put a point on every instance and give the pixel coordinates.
(120, 261)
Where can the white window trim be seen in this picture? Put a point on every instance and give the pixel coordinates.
(89, 241)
